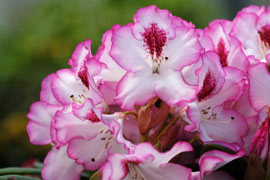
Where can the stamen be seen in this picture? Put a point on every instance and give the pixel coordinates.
(135, 172)
(74, 99)
(106, 138)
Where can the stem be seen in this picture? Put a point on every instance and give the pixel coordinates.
(194, 139)
(131, 113)
(268, 167)
(165, 129)
(17, 177)
(144, 136)
(16, 170)
(268, 154)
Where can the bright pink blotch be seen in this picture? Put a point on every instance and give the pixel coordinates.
(92, 117)
(265, 35)
(155, 39)
(258, 142)
(83, 76)
(209, 85)
(222, 53)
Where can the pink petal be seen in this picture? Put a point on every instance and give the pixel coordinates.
(211, 76)
(190, 73)
(38, 128)
(215, 159)
(92, 154)
(108, 92)
(67, 89)
(112, 72)
(133, 57)
(224, 121)
(58, 166)
(236, 57)
(263, 20)
(81, 53)
(218, 29)
(187, 53)
(117, 125)
(87, 111)
(134, 85)
(244, 29)
(152, 14)
(69, 127)
(243, 105)
(116, 167)
(162, 158)
(253, 126)
(46, 90)
(172, 88)
(231, 90)
(259, 80)
(253, 9)
(193, 116)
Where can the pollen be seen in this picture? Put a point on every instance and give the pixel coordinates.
(209, 84)
(155, 39)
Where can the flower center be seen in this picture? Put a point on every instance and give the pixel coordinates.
(155, 39)
(222, 53)
(264, 35)
(209, 85)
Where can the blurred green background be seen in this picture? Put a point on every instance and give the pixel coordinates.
(38, 37)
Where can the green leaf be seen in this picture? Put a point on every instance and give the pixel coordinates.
(17, 177)
(17, 170)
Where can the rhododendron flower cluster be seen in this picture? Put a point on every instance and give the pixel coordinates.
(157, 91)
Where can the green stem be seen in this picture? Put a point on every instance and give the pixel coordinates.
(165, 129)
(16, 170)
(131, 113)
(144, 136)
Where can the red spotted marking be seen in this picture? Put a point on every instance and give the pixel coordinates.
(92, 117)
(209, 84)
(155, 39)
(223, 54)
(82, 74)
(265, 35)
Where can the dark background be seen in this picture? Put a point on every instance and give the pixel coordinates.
(38, 37)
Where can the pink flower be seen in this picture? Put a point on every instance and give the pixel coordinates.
(208, 114)
(150, 53)
(216, 38)
(212, 160)
(252, 27)
(58, 166)
(147, 163)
